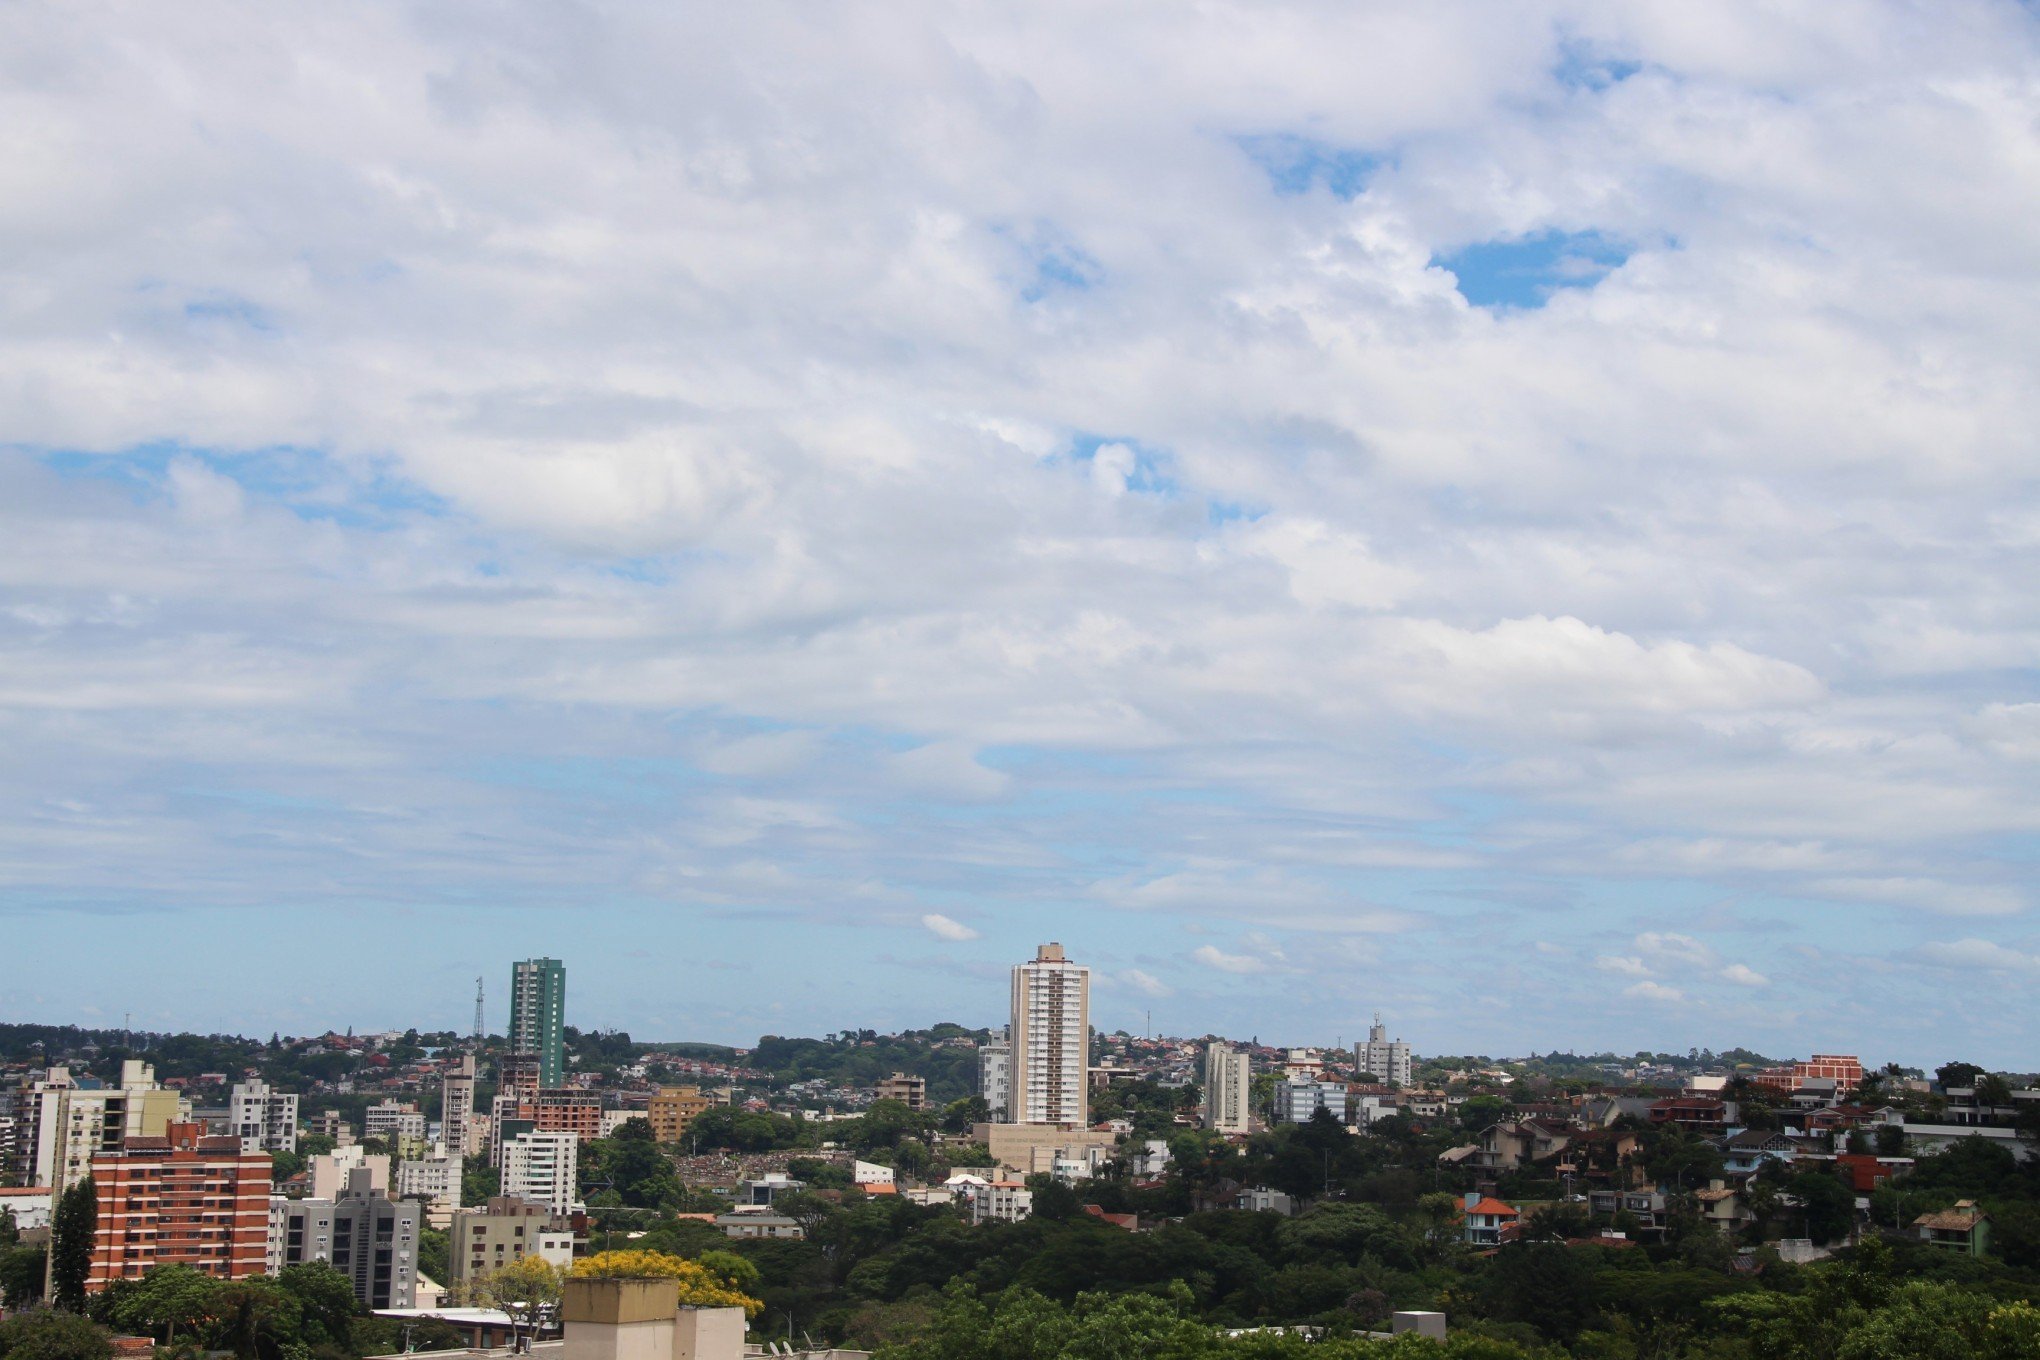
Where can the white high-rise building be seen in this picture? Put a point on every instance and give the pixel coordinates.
(67, 1120)
(1382, 1060)
(434, 1178)
(265, 1120)
(1228, 1089)
(541, 1168)
(995, 1073)
(1051, 1041)
(457, 1106)
(1298, 1102)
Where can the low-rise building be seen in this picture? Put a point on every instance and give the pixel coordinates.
(1964, 1228)
(997, 1201)
(910, 1091)
(1723, 1207)
(763, 1190)
(672, 1109)
(744, 1226)
(1260, 1199)
(1300, 1101)
(390, 1120)
(502, 1233)
(1486, 1221)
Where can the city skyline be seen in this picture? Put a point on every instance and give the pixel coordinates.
(1521, 517)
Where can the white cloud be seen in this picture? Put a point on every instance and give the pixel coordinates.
(1147, 984)
(611, 459)
(944, 928)
(1973, 954)
(1673, 950)
(1653, 991)
(1625, 965)
(1212, 957)
(1742, 975)
(1939, 897)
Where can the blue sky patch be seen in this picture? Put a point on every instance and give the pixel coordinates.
(1297, 165)
(1580, 67)
(1524, 273)
(1150, 468)
(306, 482)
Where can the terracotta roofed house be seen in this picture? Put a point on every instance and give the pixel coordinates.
(1964, 1228)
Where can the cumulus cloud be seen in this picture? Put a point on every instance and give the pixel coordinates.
(1653, 991)
(1624, 965)
(942, 927)
(1742, 975)
(1147, 984)
(1243, 964)
(1973, 954)
(1382, 475)
(1674, 950)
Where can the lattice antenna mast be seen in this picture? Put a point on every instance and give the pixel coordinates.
(478, 1013)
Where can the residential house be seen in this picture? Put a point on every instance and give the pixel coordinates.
(1487, 1221)
(1703, 1115)
(1512, 1144)
(1745, 1152)
(1647, 1207)
(1964, 1228)
(1724, 1207)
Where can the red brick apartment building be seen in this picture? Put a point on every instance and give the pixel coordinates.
(1844, 1069)
(186, 1196)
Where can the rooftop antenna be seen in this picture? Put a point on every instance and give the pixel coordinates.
(478, 1013)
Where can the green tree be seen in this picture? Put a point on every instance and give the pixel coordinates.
(71, 1232)
(960, 1116)
(45, 1334)
(256, 1318)
(325, 1299)
(21, 1276)
(168, 1299)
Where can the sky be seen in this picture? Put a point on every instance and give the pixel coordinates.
(1522, 517)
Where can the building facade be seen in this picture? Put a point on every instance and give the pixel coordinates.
(392, 1120)
(457, 1107)
(1844, 1069)
(1051, 1038)
(1228, 1089)
(911, 1092)
(66, 1121)
(264, 1120)
(542, 1167)
(502, 1233)
(1383, 1059)
(375, 1244)
(995, 1074)
(1298, 1102)
(673, 1109)
(566, 1111)
(186, 1197)
(433, 1178)
(538, 1015)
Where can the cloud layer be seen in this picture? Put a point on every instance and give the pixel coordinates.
(1373, 479)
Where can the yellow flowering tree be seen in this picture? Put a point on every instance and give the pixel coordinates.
(700, 1287)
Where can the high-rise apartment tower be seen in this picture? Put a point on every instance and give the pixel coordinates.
(538, 1015)
(1051, 1038)
(1228, 1089)
(1381, 1059)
